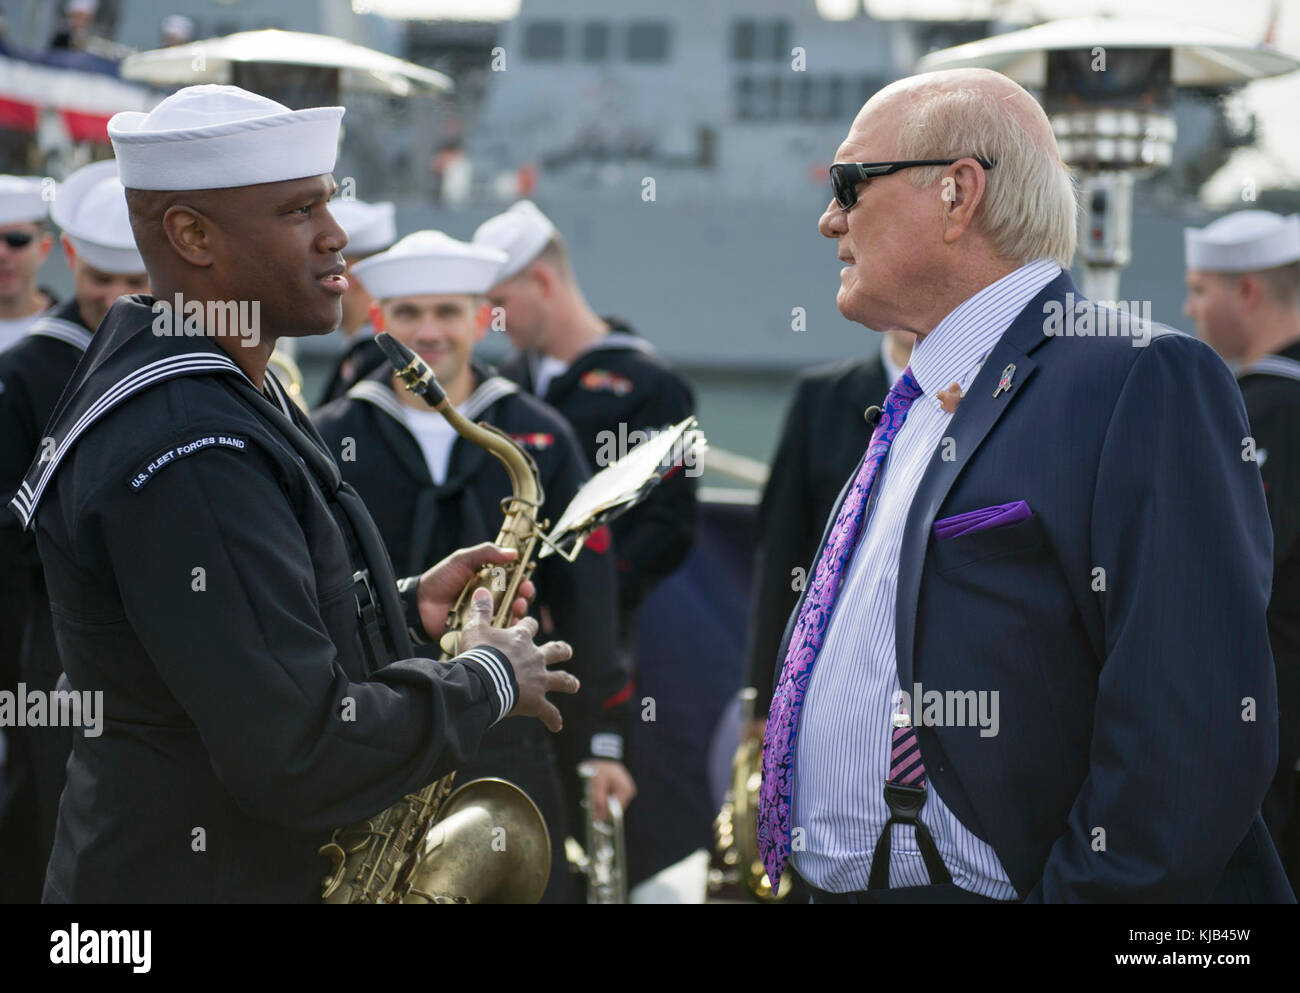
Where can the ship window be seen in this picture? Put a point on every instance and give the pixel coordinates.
(787, 107)
(760, 41)
(544, 41)
(801, 98)
(647, 41)
(745, 98)
(595, 41)
(806, 96)
(765, 98)
(780, 41)
(743, 37)
(834, 95)
(771, 107)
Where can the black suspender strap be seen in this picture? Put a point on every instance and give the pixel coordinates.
(905, 803)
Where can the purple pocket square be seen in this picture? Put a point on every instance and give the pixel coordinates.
(981, 520)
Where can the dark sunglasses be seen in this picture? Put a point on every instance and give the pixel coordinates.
(845, 176)
(17, 239)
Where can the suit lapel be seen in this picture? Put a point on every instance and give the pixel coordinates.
(978, 412)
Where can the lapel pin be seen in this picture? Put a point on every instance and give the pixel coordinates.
(1004, 384)
(949, 398)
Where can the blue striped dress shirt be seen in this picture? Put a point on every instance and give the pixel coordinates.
(842, 753)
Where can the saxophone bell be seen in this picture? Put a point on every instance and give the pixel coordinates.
(459, 855)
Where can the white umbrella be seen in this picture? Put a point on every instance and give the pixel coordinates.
(210, 61)
(1202, 57)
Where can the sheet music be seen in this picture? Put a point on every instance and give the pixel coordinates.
(624, 483)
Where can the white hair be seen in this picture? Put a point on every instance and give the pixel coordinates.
(1030, 205)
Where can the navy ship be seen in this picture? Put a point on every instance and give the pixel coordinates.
(681, 147)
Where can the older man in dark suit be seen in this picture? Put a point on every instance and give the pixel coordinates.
(1032, 662)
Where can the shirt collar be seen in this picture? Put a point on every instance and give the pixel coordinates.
(958, 345)
(892, 369)
(378, 388)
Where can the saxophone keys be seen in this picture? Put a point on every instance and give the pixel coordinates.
(335, 874)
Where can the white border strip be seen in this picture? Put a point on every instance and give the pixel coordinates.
(61, 330)
(496, 672)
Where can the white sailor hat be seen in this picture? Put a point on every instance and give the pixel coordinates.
(1246, 241)
(521, 232)
(25, 198)
(370, 227)
(177, 26)
(430, 262)
(213, 137)
(91, 210)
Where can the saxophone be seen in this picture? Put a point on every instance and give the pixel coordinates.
(436, 845)
(736, 872)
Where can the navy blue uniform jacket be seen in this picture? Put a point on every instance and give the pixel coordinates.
(201, 577)
(1138, 706)
(33, 373)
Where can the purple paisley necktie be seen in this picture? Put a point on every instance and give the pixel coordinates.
(809, 633)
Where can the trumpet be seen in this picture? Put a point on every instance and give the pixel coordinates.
(604, 861)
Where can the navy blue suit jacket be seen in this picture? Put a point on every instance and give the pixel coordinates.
(1138, 706)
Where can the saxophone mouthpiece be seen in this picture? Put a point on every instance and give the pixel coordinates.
(415, 372)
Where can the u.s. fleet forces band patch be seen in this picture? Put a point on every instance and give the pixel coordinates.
(166, 457)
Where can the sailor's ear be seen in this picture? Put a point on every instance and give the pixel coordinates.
(542, 276)
(377, 316)
(187, 229)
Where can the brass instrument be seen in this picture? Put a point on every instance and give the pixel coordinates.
(737, 868)
(604, 860)
(486, 842)
(283, 363)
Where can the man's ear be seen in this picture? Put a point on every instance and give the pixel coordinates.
(960, 191)
(69, 252)
(1249, 291)
(188, 230)
(544, 278)
(377, 316)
